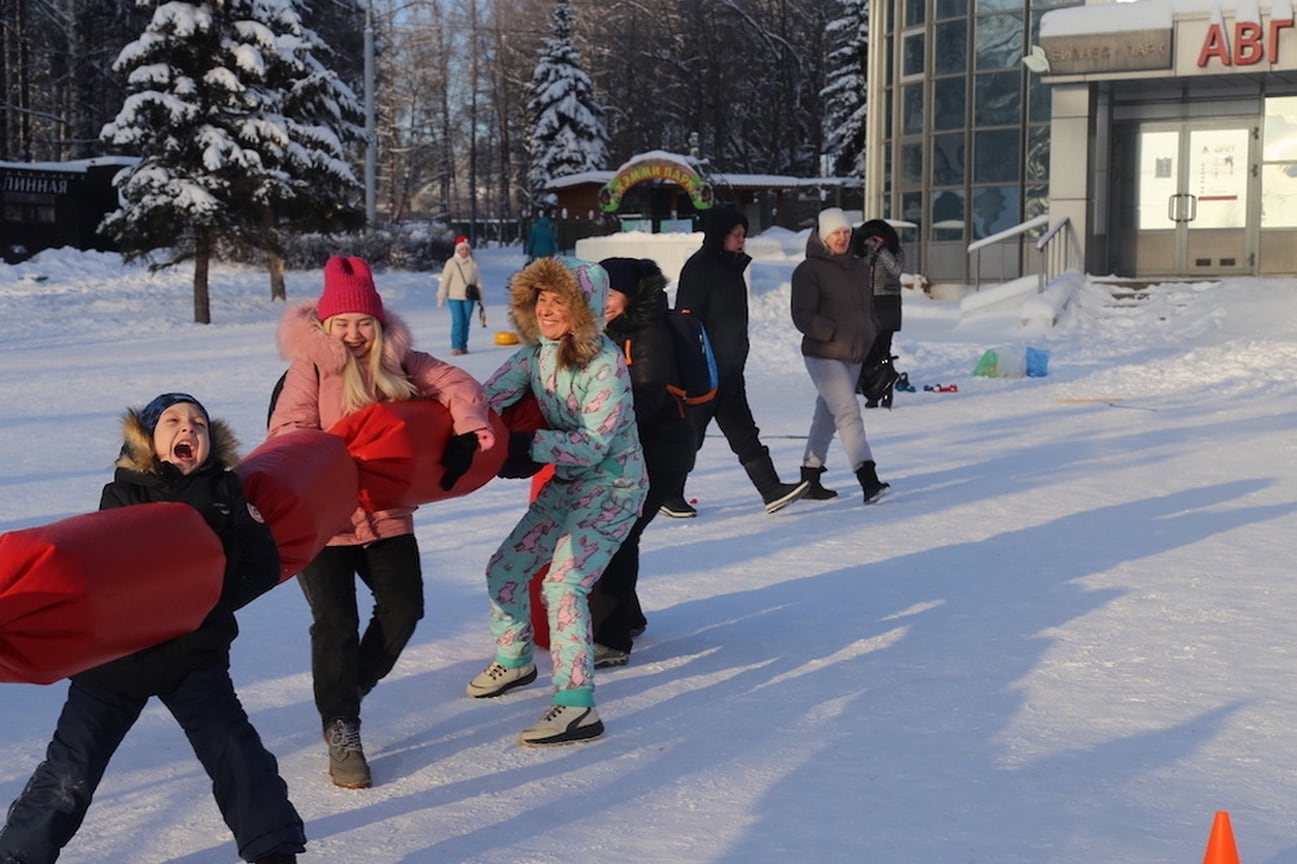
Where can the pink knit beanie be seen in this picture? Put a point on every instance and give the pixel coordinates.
(349, 288)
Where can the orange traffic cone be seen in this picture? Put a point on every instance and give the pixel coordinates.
(1220, 845)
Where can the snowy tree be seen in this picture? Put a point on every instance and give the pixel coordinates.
(238, 127)
(568, 134)
(844, 88)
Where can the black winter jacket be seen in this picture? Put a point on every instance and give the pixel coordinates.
(712, 286)
(252, 559)
(644, 337)
(832, 304)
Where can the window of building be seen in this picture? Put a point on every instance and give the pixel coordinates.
(999, 41)
(950, 48)
(998, 98)
(1279, 163)
(995, 209)
(912, 109)
(947, 221)
(912, 163)
(995, 155)
(949, 154)
(949, 110)
(912, 61)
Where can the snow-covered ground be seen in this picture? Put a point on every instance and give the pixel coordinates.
(1066, 637)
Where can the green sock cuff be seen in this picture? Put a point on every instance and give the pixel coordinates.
(577, 697)
(513, 662)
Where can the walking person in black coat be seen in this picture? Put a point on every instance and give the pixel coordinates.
(173, 452)
(712, 286)
(635, 320)
(876, 241)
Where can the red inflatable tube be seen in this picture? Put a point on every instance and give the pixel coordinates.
(88, 589)
(305, 485)
(398, 446)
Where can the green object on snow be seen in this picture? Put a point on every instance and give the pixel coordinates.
(988, 366)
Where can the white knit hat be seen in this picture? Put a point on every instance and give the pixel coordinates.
(832, 219)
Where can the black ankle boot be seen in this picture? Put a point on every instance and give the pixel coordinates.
(869, 482)
(775, 495)
(815, 491)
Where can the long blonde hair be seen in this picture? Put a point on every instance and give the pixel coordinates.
(374, 383)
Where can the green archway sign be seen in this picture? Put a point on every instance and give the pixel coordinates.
(700, 191)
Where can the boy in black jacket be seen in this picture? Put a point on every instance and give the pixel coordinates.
(173, 451)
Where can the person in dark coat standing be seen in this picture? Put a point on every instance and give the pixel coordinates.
(173, 451)
(877, 243)
(541, 241)
(832, 306)
(712, 286)
(635, 320)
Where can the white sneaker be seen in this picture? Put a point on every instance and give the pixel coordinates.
(563, 724)
(497, 679)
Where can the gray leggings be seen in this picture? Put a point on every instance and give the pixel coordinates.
(836, 410)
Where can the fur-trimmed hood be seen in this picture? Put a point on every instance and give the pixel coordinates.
(137, 445)
(301, 337)
(582, 285)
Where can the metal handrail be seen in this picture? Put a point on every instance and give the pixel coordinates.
(976, 247)
(1057, 255)
(1059, 247)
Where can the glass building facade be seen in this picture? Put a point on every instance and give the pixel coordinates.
(960, 147)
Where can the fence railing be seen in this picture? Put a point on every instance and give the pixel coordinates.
(1058, 249)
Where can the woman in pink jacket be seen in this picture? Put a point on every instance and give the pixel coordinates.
(348, 353)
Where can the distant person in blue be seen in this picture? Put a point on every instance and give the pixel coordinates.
(541, 242)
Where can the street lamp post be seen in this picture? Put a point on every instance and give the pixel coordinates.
(371, 133)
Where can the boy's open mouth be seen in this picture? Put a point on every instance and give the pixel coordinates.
(185, 451)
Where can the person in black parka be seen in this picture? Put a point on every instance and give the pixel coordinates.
(635, 320)
(173, 451)
(712, 286)
(877, 242)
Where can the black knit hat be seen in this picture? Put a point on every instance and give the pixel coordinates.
(626, 275)
(152, 412)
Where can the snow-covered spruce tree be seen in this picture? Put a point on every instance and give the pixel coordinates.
(844, 87)
(239, 130)
(568, 134)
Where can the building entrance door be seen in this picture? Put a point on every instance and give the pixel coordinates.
(1184, 193)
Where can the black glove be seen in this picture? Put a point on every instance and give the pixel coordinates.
(518, 464)
(457, 458)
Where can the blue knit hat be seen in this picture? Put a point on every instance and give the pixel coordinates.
(152, 412)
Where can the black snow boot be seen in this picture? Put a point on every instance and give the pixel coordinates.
(815, 491)
(869, 482)
(775, 494)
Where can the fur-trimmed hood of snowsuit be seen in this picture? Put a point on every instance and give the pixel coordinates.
(137, 445)
(583, 287)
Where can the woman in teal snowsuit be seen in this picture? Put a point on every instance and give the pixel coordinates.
(581, 516)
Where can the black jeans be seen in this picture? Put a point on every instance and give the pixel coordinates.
(730, 409)
(252, 797)
(344, 664)
(614, 604)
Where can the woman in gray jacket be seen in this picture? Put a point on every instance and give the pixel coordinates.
(832, 306)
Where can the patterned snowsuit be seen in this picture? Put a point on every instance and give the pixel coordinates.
(585, 511)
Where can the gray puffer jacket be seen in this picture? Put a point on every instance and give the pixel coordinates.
(832, 304)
